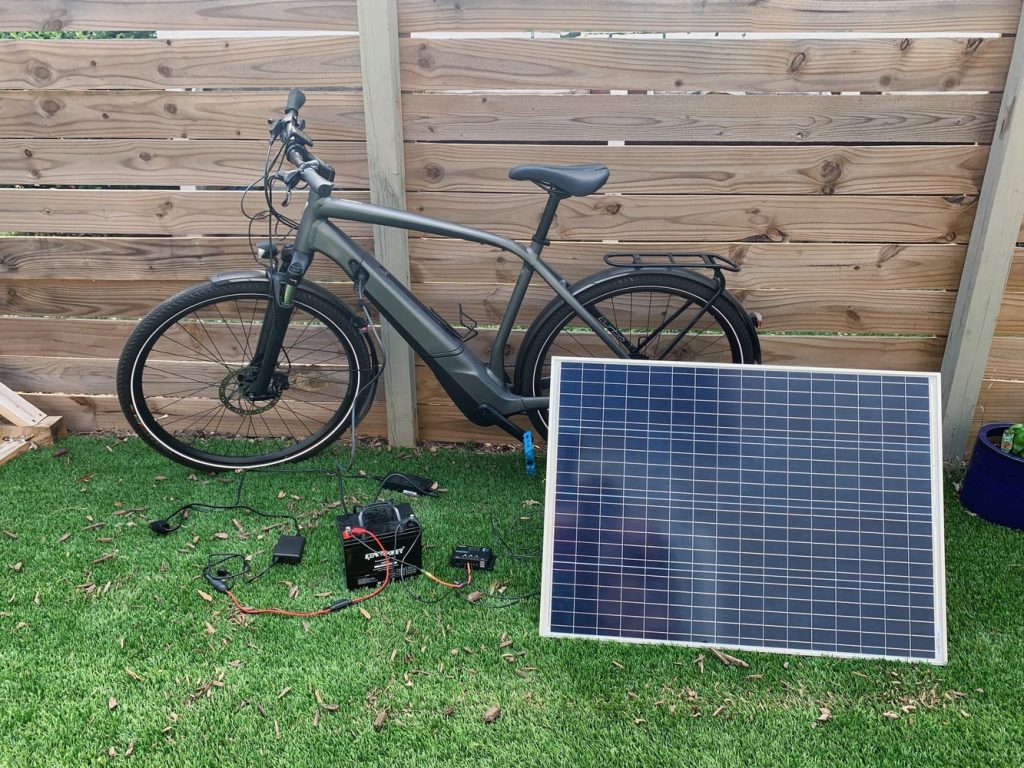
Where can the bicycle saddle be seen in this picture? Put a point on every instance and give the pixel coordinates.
(575, 180)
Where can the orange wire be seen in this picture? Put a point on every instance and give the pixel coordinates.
(323, 611)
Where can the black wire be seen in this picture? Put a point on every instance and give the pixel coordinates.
(532, 554)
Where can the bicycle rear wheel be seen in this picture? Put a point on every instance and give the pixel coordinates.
(661, 316)
(180, 376)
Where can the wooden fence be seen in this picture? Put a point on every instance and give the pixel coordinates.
(843, 172)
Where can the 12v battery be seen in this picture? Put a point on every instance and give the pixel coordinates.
(362, 559)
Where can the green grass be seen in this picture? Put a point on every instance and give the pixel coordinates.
(436, 669)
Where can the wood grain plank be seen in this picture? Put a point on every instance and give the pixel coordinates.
(944, 119)
(142, 162)
(1006, 360)
(880, 218)
(206, 63)
(101, 413)
(806, 266)
(759, 66)
(1010, 321)
(862, 311)
(709, 16)
(88, 338)
(997, 401)
(711, 169)
(52, 114)
(52, 15)
(102, 211)
(138, 258)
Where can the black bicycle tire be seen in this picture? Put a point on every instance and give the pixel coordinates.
(165, 315)
(542, 332)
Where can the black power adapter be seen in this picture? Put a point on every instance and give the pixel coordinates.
(288, 550)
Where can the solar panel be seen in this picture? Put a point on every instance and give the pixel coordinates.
(754, 507)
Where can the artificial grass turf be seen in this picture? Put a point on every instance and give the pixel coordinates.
(194, 687)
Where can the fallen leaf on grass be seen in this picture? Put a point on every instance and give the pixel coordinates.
(10, 534)
(160, 478)
(699, 661)
(281, 494)
(16, 567)
(284, 692)
(505, 641)
(111, 703)
(221, 535)
(365, 613)
(447, 711)
(210, 629)
(59, 452)
(618, 665)
(105, 556)
(378, 721)
(824, 715)
(130, 749)
(64, 538)
(277, 731)
(112, 752)
(132, 674)
(891, 715)
(473, 597)
(492, 714)
(320, 700)
(205, 595)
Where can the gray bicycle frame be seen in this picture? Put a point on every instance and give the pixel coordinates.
(479, 390)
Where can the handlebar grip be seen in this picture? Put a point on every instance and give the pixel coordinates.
(296, 99)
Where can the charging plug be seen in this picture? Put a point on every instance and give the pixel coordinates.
(288, 550)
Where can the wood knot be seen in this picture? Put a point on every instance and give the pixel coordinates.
(679, 83)
(950, 83)
(852, 314)
(614, 208)
(28, 153)
(51, 106)
(905, 43)
(171, 108)
(890, 251)
(40, 73)
(34, 173)
(164, 70)
(145, 157)
(425, 61)
(828, 189)
(972, 46)
(52, 25)
(885, 81)
(797, 62)
(831, 169)
(433, 171)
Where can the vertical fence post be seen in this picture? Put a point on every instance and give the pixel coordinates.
(989, 253)
(382, 109)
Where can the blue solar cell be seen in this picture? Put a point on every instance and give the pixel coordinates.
(762, 508)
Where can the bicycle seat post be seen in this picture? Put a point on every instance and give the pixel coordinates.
(540, 237)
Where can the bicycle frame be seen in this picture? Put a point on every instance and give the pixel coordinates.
(479, 390)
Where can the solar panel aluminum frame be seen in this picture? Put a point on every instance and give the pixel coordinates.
(936, 485)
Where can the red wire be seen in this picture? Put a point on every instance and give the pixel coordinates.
(323, 611)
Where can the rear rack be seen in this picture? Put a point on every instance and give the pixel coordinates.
(641, 260)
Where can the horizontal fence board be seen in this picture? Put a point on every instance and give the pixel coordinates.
(139, 258)
(878, 218)
(763, 265)
(1011, 315)
(804, 266)
(432, 167)
(863, 311)
(1015, 280)
(946, 119)
(101, 413)
(694, 169)
(104, 211)
(171, 114)
(51, 15)
(999, 401)
(205, 63)
(140, 162)
(772, 66)
(84, 338)
(709, 16)
(1006, 360)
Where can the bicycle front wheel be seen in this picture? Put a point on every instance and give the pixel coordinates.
(180, 377)
(660, 316)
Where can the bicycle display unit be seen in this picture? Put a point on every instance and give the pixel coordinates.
(255, 368)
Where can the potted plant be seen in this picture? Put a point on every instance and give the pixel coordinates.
(994, 484)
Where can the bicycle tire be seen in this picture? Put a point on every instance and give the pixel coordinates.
(721, 334)
(203, 338)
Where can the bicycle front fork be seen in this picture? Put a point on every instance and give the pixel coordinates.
(260, 380)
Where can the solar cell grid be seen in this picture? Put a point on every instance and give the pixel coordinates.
(755, 507)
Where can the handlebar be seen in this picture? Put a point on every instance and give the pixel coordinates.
(290, 131)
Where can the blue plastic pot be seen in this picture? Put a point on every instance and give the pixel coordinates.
(994, 484)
